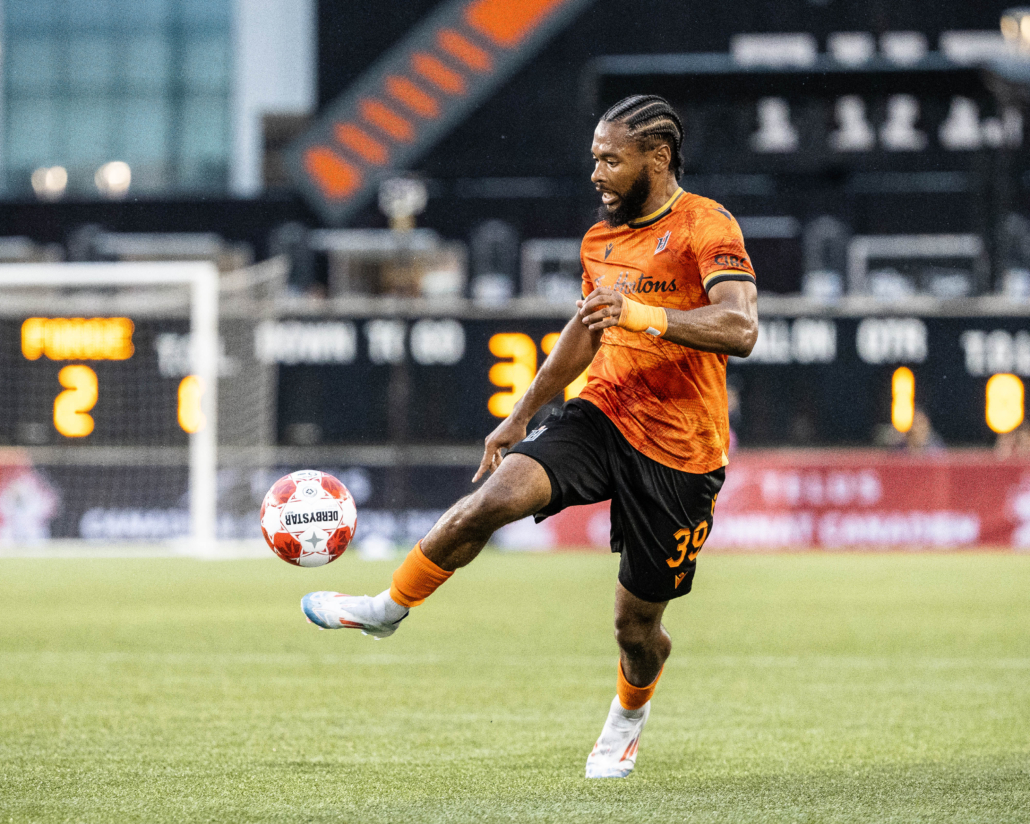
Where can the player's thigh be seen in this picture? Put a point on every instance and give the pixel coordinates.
(661, 519)
(572, 448)
(519, 487)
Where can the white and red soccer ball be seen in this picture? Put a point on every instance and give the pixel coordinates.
(308, 518)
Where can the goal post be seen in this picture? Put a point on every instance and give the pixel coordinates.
(65, 311)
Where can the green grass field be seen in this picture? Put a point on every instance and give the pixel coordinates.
(801, 688)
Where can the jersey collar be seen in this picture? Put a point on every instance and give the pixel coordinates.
(657, 215)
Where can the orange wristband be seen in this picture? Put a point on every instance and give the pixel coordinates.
(639, 317)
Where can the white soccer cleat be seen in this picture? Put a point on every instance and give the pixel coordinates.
(615, 753)
(334, 610)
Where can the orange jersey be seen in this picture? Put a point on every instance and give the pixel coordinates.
(668, 400)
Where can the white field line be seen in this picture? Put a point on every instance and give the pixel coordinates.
(387, 659)
(223, 551)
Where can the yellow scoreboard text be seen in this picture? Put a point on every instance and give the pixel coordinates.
(77, 338)
(517, 368)
(1005, 403)
(73, 405)
(903, 398)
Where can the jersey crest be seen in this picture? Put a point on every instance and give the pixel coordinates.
(663, 241)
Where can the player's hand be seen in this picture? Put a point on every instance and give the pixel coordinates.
(600, 309)
(504, 437)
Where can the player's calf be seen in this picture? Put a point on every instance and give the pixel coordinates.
(644, 646)
(518, 488)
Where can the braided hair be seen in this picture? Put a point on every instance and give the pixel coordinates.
(652, 121)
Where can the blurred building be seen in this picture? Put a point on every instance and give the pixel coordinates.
(174, 89)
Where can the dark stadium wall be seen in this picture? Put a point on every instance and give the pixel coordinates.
(523, 155)
(534, 133)
(352, 35)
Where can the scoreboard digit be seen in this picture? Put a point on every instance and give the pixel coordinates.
(514, 371)
(191, 416)
(1005, 403)
(518, 367)
(73, 405)
(903, 398)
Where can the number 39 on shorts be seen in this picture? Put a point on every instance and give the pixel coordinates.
(690, 541)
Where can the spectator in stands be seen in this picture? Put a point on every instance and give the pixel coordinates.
(921, 437)
(1014, 444)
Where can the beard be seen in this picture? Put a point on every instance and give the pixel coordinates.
(631, 204)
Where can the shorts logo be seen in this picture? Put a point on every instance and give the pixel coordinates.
(679, 579)
(536, 433)
(663, 241)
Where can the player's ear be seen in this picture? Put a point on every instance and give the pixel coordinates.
(662, 157)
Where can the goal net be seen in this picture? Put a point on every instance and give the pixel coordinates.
(129, 404)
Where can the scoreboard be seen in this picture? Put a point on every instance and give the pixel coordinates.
(837, 380)
(98, 381)
(815, 378)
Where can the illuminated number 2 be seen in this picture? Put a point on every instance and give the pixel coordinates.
(72, 405)
(516, 374)
(688, 539)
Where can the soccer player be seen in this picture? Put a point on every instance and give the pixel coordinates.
(669, 293)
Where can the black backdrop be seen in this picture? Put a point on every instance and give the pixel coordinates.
(539, 124)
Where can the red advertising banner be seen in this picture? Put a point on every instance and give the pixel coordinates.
(836, 500)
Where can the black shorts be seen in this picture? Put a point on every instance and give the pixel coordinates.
(660, 516)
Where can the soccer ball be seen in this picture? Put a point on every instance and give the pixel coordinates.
(308, 518)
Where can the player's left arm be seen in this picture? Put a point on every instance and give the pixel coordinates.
(728, 326)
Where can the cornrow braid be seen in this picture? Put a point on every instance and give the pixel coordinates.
(653, 121)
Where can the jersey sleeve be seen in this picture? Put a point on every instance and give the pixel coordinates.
(719, 247)
(588, 284)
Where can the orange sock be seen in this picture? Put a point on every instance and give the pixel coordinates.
(633, 698)
(416, 579)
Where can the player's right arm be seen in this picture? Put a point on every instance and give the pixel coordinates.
(571, 355)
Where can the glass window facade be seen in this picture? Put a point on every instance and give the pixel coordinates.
(147, 82)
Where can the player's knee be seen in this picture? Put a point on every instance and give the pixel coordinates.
(633, 637)
(639, 639)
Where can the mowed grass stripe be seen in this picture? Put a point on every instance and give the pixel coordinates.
(802, 688)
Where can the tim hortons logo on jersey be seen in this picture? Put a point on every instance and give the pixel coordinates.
(663, 241)
(642, 285)
(297, 518)
(731, 261)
